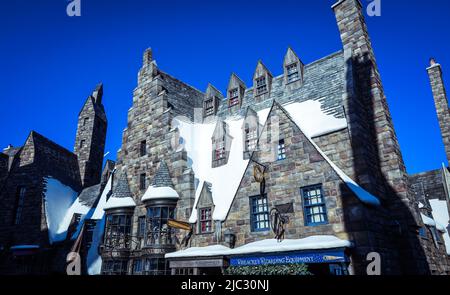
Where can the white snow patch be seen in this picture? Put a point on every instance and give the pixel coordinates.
(225, 179)
(213, 250)
(440, 214)
(59, 199)
(296, 114)
(312, 120)
(159, 193)
(266, 246)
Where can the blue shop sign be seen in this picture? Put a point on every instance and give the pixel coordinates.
(331, 256)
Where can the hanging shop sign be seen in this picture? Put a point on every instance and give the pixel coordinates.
(330, 256)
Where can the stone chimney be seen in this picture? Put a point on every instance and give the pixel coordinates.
(440, 102)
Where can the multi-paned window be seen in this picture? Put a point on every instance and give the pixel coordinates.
(142, 184)
(143, 148)
(314, 205)
(184, 271)
(118, 231)
(115, 267)
(158, 232)
(292, 72)
(85, 121)
(209, 107)
(259, 217)
(281, 150)
(219, 152)
(155, 266)
(21, 191)
(141, 227)
(261, 85)
(234, 96)
(82, 143)
(251, 139)
(205, 220)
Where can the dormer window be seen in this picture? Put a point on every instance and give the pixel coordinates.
(261, 85)
(292, 72)
(234, 97)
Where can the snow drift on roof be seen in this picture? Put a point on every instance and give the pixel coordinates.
(119, 203)
(159, 193)
(59, 202)
(431, 222)
(266, 246)
(440, 214)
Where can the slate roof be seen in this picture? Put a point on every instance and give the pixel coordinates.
(162, 176)
(323, 80)
(121, 188)
(89, 195)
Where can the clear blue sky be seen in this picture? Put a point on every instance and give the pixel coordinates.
(49, 63)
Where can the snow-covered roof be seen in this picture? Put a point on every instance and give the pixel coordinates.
(160, 193)
(213, 250)
(121, 196)
(440, 215)
(196, 140)
(60, 203)
(431, 222)
(266, 246)
(162, 186)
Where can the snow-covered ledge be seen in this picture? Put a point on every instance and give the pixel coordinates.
(160, 193)
(265, 246)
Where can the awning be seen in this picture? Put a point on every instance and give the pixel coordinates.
(310, 244)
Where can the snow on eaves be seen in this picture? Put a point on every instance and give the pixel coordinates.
(114, 203)
(159, 193)
(266, 246)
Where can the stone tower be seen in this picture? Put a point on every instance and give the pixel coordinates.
(378, 161)
(441, 103)
(90, 139)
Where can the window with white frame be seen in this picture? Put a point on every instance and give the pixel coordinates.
(314, 205)
(281, 150)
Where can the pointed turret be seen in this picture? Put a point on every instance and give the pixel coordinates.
(162, 185)
(121, 195)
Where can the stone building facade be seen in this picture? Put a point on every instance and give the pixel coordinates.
(353, 167)
(39, 183)
(204, 181)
